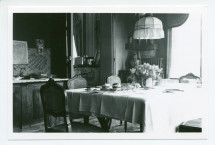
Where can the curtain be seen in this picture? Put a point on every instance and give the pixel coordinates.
(77, 32)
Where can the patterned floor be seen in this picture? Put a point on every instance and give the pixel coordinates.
(115, 126)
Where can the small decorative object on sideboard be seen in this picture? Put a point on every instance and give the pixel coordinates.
(40, 45)
(97, 58)
(90, 61)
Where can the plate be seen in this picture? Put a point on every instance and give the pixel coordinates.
(89, 89)
(173, 90)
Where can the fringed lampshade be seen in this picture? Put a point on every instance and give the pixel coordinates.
(148, 28)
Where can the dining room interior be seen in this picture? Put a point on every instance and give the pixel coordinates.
(108, 72)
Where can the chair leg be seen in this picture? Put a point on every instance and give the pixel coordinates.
(141, 127)
(104, 123)
(109, 124)
(86, 120)
(177, 129)
(68, 123)
(65, 123)
(125, 126)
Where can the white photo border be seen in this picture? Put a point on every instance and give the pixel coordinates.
(101, 9)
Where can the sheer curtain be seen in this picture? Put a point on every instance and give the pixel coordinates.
(186, 48)
(74, 48)
(77, 34)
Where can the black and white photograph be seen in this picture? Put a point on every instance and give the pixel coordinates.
(107, 73)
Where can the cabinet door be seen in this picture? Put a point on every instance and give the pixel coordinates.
(17, 103)
(27, 105)
(37, 103)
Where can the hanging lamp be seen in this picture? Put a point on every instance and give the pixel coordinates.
(148, 27)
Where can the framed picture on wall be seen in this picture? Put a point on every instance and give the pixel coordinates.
(20, 52)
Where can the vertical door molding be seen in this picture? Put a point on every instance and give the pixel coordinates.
(71, 32)
(113, 44)
(169, 51)
(69, 45)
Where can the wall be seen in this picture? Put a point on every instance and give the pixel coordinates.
(90, 28)
(106, 56)
(162, 43)
(123, 27)
(49, 27)
(114, 36)
(37, 63)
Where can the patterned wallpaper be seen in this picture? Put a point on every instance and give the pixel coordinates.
(37, 63)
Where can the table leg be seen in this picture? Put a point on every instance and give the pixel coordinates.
(104, 122)
(86, 119)
(125, 126)
(141, 127)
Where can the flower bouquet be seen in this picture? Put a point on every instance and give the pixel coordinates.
(142, 73)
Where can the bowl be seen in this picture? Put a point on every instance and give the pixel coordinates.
(116, 85)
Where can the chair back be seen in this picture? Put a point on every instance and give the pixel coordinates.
(77, 82)
(53, 99)
(190, 78)
(113, 79)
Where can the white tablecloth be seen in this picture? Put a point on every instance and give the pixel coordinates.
(157, 109)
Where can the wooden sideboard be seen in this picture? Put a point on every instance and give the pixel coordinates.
(27, 105)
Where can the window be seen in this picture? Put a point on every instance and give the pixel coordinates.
(186, 48)
(74, 48)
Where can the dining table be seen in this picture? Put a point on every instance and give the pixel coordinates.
(159, 109)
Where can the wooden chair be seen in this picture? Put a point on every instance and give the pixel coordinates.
(53, 100)
(113, 79)
(190, 78)
(195, 124)
(76, 83)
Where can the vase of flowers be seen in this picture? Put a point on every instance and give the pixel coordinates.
(145, 74)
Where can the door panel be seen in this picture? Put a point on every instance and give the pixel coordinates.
(106, 63)
(17, 103)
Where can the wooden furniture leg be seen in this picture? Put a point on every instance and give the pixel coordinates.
(104, 123)
(86, 120)
(141, 127)
(125, 126)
